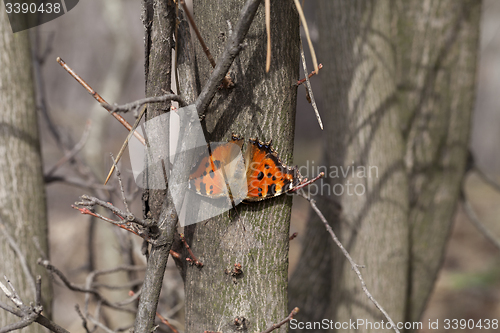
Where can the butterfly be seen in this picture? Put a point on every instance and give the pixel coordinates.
(257, 176)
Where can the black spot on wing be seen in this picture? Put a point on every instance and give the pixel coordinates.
(271, 190)
(203, 188)
(260, 175)
(287, 187)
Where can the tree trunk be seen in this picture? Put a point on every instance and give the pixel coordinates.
(158, 19)
(255, 235)
(437, 71)
(399, 83)
(22, 196)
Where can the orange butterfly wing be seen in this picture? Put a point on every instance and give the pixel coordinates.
(211, 175)
(267, 175)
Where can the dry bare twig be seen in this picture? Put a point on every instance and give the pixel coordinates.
(308, 37)
(469, 209)
(71, 153)
(226, 81)
(20, 256)
(487, 178)
(28, 314)
(125, 143)
(166, 322)
(308, 85)
(140, 102)
(98, 98)
(354, 266)
(284, 321)
(268, 31)
(299, 82)
(74, 287)
(233, 47)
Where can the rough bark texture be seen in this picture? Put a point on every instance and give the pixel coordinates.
(438, 43)
(260, 105)
(399, 90)
(22, 195)
(158, 20)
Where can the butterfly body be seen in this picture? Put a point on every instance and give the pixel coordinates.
(259, 175)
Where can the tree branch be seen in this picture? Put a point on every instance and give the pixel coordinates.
(284, 321)
(28, 314)
(140, 102)
(233, 48)
(74, 287)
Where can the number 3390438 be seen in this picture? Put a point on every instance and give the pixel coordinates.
(485, 324)
(24, 8)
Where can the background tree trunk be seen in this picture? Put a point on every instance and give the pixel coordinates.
(437, 75)
(399, 89)
(256, 236)
(22, 195)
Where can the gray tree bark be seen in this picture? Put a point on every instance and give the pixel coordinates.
(22, 194)
(256, 236)
(399, 86)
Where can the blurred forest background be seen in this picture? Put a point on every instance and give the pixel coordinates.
(103, 42)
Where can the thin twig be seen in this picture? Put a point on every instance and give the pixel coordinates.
(90, 202)
(474, 219)
(307, 182)
(128, 285)
(306, 30)
(101, 325)
(122, 191)
(197, 33)
(11, 294)
(140, 102)
(132, 298)
(82, 317)
(268, 31)
(125, 143)
(20, 256)
(166, 322)
(232, 49)
(74, 287)
(29, 314)
(194, 259)
(98, 98)
(487, 178)
(79, 182)
(308, 85)
(10, 309)
(354, 266)
(284, 321)
(70, 154)
(227, 79)
(38, 295)
(299, 82)
(25, 321)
